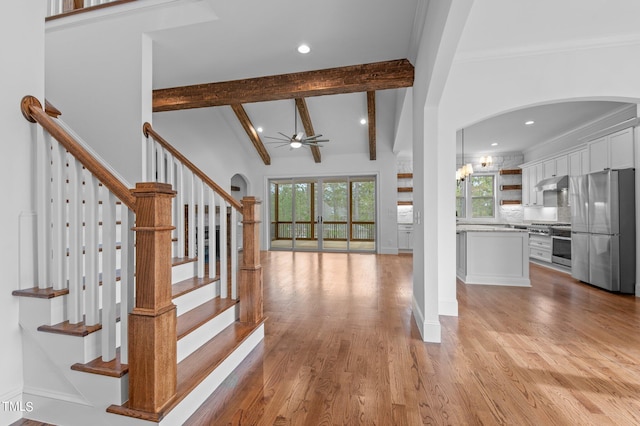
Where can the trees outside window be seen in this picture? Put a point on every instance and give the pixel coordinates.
(476, 197)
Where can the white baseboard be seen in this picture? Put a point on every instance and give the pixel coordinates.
(10, 413)
(430, 331)
(388, 250)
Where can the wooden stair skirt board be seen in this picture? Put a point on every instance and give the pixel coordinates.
(202, 372)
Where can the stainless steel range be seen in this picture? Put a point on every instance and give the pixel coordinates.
(561, 245)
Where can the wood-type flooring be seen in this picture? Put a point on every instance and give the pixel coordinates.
(342, 348)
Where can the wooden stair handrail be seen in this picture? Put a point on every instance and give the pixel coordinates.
(147, 129)
(33, 112)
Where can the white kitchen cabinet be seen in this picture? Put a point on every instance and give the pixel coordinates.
(578, 163)
(562, 165)
(621, 149)
(556, 166)
(614, 151)
(525, 186)
(531, 175)
(405, 237)
(540, 247)
(598, 154)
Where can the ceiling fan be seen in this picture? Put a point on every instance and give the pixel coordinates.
(298, 139)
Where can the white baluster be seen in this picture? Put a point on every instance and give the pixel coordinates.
(191, 233)
(201, 231)
(212, 233)
(74, 305)
(224, 293)
(43, 170)
(127, 284)
(59, 243)
(153, 162)
(179, 211)
(170, 180)
(233, 223)
(148, 159)
(91, 274)
(161, 165)
(109, 277)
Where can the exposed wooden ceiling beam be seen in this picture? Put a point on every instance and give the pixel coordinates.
(351, 79)
(301, 104)
(371, 111)
(251, 131)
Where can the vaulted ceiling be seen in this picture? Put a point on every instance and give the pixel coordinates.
(254, 39)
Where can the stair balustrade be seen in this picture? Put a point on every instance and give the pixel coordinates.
(93, 230)
(60, 8)
(200, 204)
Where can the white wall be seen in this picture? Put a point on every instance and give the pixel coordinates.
(481, 88)
(22, 35)
(98, 73)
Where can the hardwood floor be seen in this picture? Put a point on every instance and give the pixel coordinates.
(341, 347)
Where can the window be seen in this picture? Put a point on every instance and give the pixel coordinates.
(475, 197)
(460, 210)
(482, 195)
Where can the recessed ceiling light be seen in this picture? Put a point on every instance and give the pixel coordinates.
(259, 129)
(304, 49)
(363, 121)
(529, 123)
(494, 144)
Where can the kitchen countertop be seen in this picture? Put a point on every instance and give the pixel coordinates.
(488, 228)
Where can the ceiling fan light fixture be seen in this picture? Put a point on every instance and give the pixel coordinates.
(295, 144)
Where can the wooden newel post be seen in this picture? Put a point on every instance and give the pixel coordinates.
(152, 324)
(250, 283)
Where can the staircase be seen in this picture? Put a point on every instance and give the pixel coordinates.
(136, 317)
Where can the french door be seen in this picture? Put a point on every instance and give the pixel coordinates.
(323, 214)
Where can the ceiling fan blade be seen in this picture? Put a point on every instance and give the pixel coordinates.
(319, 140)
(277, 139)
(312, 137)
(288, 137)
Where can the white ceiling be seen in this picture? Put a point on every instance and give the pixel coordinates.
(551, 121)
(254, 38)
(502, 28)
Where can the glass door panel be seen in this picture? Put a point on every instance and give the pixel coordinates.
(363, 213)
(305, 215)
(334, 214)
(281, 194)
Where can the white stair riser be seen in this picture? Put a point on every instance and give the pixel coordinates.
(190, 404)
(183, 272)
(192, 341)
(194, 298)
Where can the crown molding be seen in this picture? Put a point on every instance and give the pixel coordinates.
(547, 48)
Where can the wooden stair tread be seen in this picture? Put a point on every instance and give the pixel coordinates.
(79, 329)
(112, 368)
(196, 367)
(29, 422)
(175, 261)
(191, 320)
(190, 284)
(40, 293)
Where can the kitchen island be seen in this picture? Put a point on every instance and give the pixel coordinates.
(493, 255)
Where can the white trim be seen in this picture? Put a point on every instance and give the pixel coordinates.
(591, 129)
(388, 250)
(430, 331)
(8, 396)
(46, 393)
(495, 280)
(547, 48)
(448, 307)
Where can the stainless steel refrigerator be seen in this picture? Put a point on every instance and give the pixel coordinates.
(603, 229)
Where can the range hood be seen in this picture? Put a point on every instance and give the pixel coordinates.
(556, 183)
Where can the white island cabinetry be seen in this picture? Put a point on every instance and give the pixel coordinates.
(493, 255)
